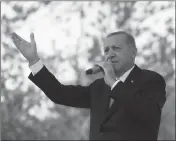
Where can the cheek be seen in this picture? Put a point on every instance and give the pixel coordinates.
(124, 57)
(105, 57)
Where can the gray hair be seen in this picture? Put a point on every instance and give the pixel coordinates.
(129, 38)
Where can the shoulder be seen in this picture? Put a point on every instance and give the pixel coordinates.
(151, 75)
(97, 83)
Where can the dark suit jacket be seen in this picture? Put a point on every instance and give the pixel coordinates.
(134, 115)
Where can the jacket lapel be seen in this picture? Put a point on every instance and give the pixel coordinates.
(126, 89)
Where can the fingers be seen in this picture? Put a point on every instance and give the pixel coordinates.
(17, 36)
(32, 39)
(16, 40)
(102, 64)
(105, 66)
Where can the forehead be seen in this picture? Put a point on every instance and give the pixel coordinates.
(117, 40)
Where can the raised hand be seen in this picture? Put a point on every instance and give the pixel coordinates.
(27, 49)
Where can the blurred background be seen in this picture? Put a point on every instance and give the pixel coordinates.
(69, 38)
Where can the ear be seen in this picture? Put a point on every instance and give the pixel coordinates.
(134, 52)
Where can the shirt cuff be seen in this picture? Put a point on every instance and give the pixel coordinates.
(36, 67)
(115, 83)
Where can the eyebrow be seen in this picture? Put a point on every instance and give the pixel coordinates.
(115, 46)
(111, 46)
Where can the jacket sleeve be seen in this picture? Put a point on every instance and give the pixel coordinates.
(69, 95)
(146, 104)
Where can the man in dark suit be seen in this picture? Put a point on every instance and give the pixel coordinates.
(125, 104)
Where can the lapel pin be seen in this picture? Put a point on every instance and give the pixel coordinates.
(132, 81)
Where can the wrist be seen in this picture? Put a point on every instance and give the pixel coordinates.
(112, 82)
(33, 61)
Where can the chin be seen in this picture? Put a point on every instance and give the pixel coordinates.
(117, 67)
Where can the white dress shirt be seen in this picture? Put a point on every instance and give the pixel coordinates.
(122, 78)
(39, 65)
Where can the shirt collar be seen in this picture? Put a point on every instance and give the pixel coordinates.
(125, 75)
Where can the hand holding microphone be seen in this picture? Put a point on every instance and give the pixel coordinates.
(95, 69)
(107, 69)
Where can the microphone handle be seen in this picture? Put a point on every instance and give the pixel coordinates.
(94, 70)
(89, 71)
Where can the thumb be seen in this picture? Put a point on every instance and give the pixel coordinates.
(32, 39)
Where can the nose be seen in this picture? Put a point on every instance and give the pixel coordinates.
(111, 53)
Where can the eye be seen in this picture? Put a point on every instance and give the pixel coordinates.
(116, 48)
(106, 50)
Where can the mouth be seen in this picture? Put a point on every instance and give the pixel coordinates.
(112, 61)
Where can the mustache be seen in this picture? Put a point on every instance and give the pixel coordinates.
(111, 58)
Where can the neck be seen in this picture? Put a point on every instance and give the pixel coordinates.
(119, 73)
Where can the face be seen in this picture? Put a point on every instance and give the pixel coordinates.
(117, 52)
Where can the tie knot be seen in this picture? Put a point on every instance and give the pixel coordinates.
(116, 89)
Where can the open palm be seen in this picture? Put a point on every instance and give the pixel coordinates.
(27, 49)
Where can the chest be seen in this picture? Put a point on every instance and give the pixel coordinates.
(100, 105)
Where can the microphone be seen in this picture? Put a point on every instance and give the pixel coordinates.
(94, 70)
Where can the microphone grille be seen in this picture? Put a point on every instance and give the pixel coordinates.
(89, 71)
